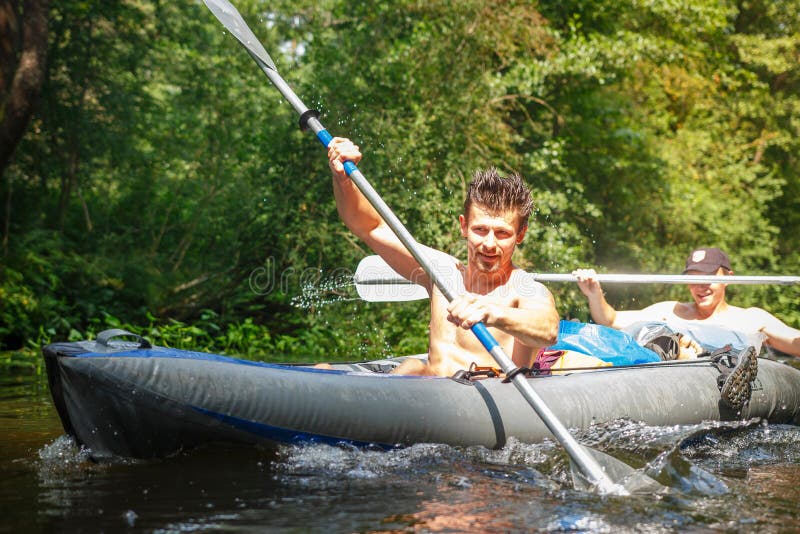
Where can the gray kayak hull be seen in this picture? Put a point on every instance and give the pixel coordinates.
(156, 401)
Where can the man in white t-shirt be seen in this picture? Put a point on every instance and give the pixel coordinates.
(707, 307)
(707, 312)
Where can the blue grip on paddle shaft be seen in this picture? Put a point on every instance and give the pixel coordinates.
(325, 138)
(482, 333)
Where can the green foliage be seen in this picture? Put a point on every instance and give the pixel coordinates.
(163, 185)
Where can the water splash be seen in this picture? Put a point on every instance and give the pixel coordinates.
(347, 462)
(62, 455)
(660, 452)
(326, 291)
(542, 465)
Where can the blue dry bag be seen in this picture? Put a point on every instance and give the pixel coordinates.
(602, 342)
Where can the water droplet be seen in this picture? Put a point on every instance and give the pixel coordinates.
(130, 517)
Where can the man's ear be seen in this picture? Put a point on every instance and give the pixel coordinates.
(521, 234)
(462, 221)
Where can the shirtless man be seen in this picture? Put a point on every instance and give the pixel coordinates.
(518, 311)
(708, 305)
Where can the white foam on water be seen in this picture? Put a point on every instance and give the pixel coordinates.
(352, 462)
(63, 454)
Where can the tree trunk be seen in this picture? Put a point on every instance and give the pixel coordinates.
(23, 52)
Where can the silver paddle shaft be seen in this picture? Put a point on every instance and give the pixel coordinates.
(232, 20)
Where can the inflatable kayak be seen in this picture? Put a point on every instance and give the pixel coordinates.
(130, 399)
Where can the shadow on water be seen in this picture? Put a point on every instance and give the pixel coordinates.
(740, 476)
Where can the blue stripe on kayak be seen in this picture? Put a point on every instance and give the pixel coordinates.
(283, 435)
(179, 354)
(163, 352)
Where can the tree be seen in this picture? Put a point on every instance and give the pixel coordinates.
(163, 175)
(23, 57)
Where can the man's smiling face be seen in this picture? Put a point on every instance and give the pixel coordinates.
(491, 237)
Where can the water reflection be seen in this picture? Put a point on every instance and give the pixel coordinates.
(462, 504)
(775, 492)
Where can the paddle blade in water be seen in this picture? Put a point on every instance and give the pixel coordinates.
(629, 480)
(233, 21)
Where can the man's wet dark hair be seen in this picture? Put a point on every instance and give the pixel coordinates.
(499, 193)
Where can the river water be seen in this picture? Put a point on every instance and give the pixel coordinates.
(736, 477)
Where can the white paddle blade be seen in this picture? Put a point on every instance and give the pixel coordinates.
(233, 21)
(376, 281)
(393, 293)
(373, 273)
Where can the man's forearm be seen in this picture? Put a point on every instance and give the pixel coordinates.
(354, 209)
(601, 310)
(786, 344)
(533, 328)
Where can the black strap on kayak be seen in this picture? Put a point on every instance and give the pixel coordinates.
(105, 337)
(526, 371)
(489, 372)
(475, 370)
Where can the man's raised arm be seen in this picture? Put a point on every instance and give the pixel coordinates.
(601, 310)
(363, 220)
